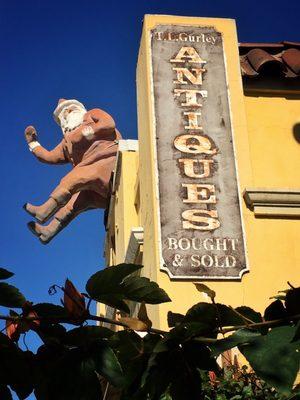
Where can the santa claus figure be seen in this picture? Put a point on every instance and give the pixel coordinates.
(90, 143)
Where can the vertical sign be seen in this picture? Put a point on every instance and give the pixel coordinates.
(200, 220)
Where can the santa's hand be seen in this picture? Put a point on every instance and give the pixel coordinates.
(30, 134)
(31, 137)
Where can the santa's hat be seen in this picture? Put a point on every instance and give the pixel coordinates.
(63, 103)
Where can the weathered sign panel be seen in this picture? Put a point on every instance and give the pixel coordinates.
(200, 219)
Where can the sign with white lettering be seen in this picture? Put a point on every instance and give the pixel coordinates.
(200, 220)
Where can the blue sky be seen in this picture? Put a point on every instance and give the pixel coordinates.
(85, 50)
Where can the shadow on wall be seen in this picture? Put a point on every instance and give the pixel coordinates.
(296, 132)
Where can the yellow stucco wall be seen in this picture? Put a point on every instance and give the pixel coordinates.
(268, 156)
(275, 153)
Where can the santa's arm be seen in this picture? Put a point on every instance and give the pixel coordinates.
(55, 156)
(98, 123)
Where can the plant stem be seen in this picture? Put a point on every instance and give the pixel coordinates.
(151, 330)
(66, 320)
(267, 324)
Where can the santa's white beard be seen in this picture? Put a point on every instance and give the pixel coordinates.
(73, 119)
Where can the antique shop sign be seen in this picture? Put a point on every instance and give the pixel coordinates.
(200, 220)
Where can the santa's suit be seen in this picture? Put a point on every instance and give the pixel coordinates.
(92, 149)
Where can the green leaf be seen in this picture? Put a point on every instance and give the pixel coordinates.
(165, 396)
(115, 301)
(205, 289)
(51, 333)
(239, 337)
(174, 319)
(278, 297)
(189, 330)
(5, 393)
(250, 314)
(112, 286)
(275, 310)
(67, 374)
(187, 387)
(107, 364)
(107, 280)
(274, 358)
(83, 335)
(297, 333)
(127, 344)
(176, 365)
(227, 316)
(132, 352)
(5, 341)
(105, 286)
(91, 386)
(23, 389)
(10, 296)
(202, 312)
(5, 274)
(140, 289)
(49, 309)
(292, 301)
(17, 369)
(216, 314)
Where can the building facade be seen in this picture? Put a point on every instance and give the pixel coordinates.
(259, 162)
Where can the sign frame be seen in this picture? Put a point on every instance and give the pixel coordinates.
(163, 266)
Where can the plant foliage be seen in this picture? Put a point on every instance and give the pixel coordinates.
(81, 361)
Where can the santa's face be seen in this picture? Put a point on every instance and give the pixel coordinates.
(71, 117)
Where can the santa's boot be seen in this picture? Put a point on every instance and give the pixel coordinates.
(43, 212)
(58, 198)
(46, 233)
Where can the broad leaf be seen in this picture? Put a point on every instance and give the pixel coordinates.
(202, 312)
(297, 333)
(23, 389)
(174, 319)
(5, 393)
(133, 353)
(52, 333)
(175, 365)
(91, 384)
(105, 286)
(5, 341)
(216, 315)
(127, 344)
(239, 337)
(275, 310)
(68, 375)
(10, 296)
(106, 281)
(227, 316)
(140, 289)
(115, 301)
(188, 387)
(274, 358)
(5, 274)
(292, 301)
(48, 310)
(205, 289)
(189, 330)
(113, 287)
(17, 370)
(250, 314)
(83, 335)
(107, 364)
